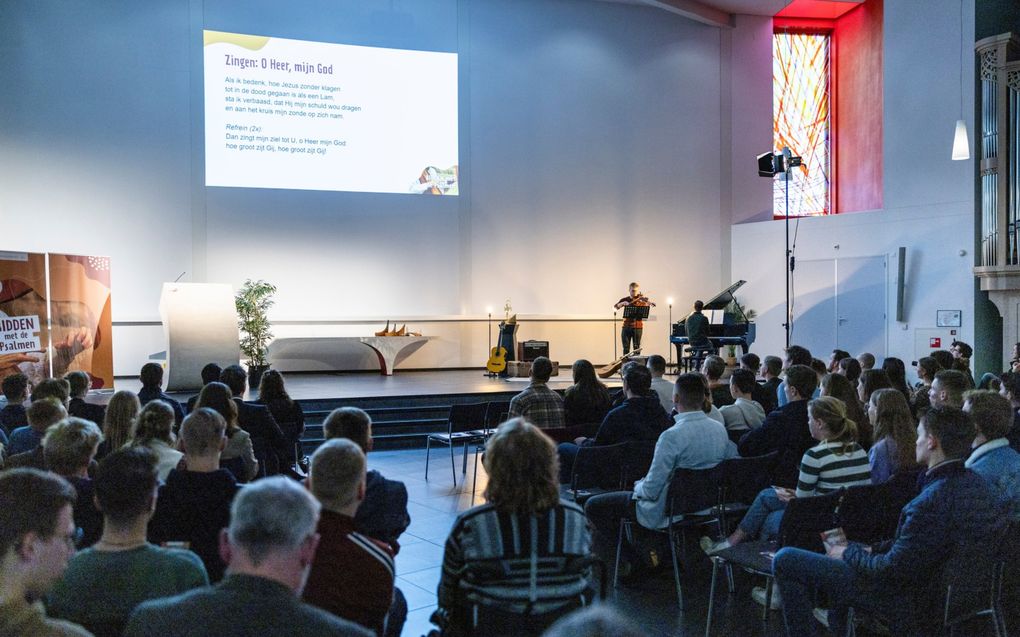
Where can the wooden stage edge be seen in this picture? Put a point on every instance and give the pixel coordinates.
(403, 383)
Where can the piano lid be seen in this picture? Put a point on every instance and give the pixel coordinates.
(721, 300)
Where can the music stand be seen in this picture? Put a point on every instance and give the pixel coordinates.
(636, 312)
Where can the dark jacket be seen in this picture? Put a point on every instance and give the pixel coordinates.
(290, 417)
(266, 436)
(768, 393)
(955, 506)
(192, 507)
(86, 515)
(580, 411)
(147, 395)
(721, 396)
(12, 417)
(239, 606)
(638, 418)
(383, 513)
(785, 430)
(79, 408)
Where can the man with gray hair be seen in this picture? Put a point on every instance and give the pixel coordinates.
(268, 549)
(352, 574)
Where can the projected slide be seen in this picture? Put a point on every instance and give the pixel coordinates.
(316, 116)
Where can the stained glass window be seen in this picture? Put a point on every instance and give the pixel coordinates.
(800, 106)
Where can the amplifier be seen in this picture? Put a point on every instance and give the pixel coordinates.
(530, 350)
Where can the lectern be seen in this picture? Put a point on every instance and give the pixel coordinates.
(200, 324)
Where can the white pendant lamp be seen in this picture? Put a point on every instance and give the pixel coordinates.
(961, 144)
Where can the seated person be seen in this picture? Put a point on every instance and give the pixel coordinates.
(194, 504)
(286, 411)
(795, 355)
(271, 446)
(542, 406)
(639, 418)
(120, 421)
(836, 356)
(151, 377)
(992, 457)
(713, 368)
(786, 429)
(694, 442)
(1010, 390)
(238, 456)
(383, 511)
(13, 415)
(104, 583)
(269, 547)
(920, 400)
(79, 383)
(866, 360)
(522, 520)
(772, 367)
(948, 388)
(52, 388)
(662, 387)
(352, 574)
(839, 386)
(155, 431)
(895, 435)
(69, 448)
(744, 413)
(34, 549)
(28, 438)
(901, 578)
(41, 414)
(585, 402)
(210, 374)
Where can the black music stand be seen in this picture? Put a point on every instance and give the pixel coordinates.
(636, 312)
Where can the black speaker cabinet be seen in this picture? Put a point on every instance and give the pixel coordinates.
(530, 350)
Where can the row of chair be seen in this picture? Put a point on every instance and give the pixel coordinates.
(468, 424)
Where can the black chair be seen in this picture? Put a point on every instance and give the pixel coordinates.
(803, 522)
(871, 513)
(465, 426)
(636, 461)
(496, 413)
(597, 469)
(741, 480)
(691, 500)
(236, 467)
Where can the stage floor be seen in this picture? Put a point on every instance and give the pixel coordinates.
(340, 385)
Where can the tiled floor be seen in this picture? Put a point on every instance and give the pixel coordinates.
(652, 604)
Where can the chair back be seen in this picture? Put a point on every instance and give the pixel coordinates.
(599, 466)
(692, 490)
(970, 576)
(743, 478)
(871, 513)
(467, 417)
(806, 518)
(495, 413)
(637, 460)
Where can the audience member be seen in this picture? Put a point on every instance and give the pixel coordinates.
(959, 350)
(269, 548)
(28, 438)
(948, 388)
(943, 358)
(41, 415)
(871, 381)
(920, 400)
(900, 579)
(586, 402)
(599, 620)
(151, 377)
(155, 431)
(542, 406)
(52, 388)
(818, 366)
(895, 435)
(744, 413)
(713, 368)
(786, 429)
(639, 419)
(15, 389)
(992, 457)
(522, 520)
(795, 355)
(286, 411)
(836, 356)
(751, 362)
(866, 360)
(851, 368)
(79, 383)
(839, 386)
(69, 448)
(772, 367)
(383, 512)
(210, 374)
(694, 442)
(1010, 390)
(352, 574)
(120, 421)
(37, 537)
(104, 583)
(662, 387)
(897, 372)
(271, 446)
(238, 455)
(194, 503)
(708, 407)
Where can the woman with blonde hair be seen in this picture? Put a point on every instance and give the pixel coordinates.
(238, 455)
(119, 422)
(155, 431)
(895, 435)
(523, 522)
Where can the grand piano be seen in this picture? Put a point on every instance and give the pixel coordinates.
(734, 330)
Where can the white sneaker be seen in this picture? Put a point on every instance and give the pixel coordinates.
(822, 615)
(711, 547)
(758, 595)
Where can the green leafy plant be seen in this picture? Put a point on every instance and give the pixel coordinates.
(252, 301)
(732, 309)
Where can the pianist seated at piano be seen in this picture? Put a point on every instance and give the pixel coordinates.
(695, 329)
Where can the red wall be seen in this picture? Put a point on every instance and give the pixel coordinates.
(857, 44)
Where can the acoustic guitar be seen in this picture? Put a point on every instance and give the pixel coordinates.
(497, 355)
(612, 368)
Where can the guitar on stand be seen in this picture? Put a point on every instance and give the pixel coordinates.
(503, 350)
(612, 368)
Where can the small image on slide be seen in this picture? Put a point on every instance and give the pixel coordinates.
(436, 181)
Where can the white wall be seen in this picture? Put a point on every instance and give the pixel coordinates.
(928, 198)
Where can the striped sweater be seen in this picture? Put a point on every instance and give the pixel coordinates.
(826, 468)
(516, 562)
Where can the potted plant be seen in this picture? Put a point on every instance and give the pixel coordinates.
(731, 355)
(252, 301)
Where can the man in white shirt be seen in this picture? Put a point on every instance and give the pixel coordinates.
(664, 388)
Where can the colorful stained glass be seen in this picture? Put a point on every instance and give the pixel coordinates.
(800, 106)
